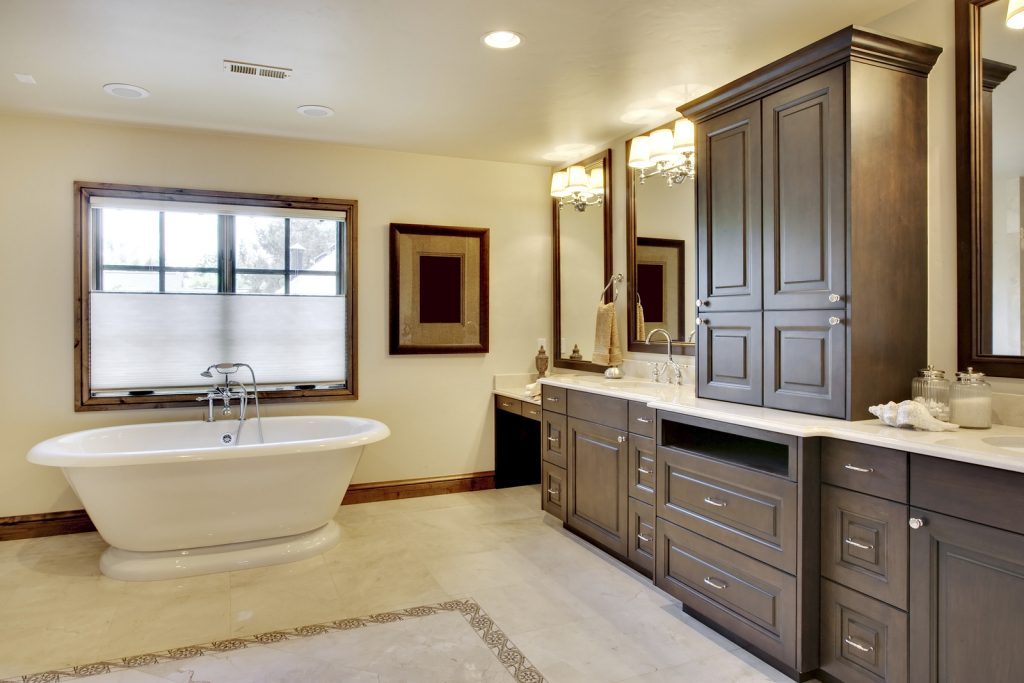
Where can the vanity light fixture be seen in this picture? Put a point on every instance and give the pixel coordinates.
(576, 187)
(502, 40)
(1015, 14)
(125, 91)
(668, 152)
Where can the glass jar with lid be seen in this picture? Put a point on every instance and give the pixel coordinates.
(931, 388)
(970, 400)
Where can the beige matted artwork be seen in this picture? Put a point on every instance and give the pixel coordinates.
(438, 289)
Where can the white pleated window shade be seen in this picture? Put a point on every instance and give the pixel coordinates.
(162, 342)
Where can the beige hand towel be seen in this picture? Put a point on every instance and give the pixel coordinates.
(606, 337)
(641, 326)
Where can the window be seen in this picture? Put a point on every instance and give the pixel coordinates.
(171, 281)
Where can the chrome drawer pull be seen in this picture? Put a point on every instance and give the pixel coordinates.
(645, 539)
(855, 544)
(862, 470)
(860, 646)
(645, 420)
(553, 399)
(506, 405)
(553, 439)
(641, 470)
(717, 585)
(554, 492)
(714, 501)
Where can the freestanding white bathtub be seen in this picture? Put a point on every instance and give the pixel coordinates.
(173, 501)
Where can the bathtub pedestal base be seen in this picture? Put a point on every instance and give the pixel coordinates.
(131, 565)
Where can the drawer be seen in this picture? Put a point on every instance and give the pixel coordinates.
(752, 512)
(552, 489)
(642, 468)
(864, 544)
(875, 470)
(981, 494)
(553, 398)
(511, 405)
(641, 536)
(862, 640)
(600, 409)
(531, 411)
(554, 438)
(747, 598)
(641, 419)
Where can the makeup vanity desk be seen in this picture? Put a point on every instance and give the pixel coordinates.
(823, 546)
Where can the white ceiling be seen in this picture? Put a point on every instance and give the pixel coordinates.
(409, 75)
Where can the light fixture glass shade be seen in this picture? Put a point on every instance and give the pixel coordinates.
(640, 152)
(1015, 14)
(684, 136)
(596, 185)
(661, 145)
(559, 181)
(577, 179)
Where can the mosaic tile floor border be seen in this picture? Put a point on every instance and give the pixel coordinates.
(494, 638)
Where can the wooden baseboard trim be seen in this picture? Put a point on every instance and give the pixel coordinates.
(45, 524)
(414, 488)
(77, 521)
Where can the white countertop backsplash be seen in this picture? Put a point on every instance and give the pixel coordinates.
(965, 445)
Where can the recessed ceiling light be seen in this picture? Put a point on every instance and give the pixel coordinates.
(502, 40)
(315, 111)
(125, 91)
(25, 78)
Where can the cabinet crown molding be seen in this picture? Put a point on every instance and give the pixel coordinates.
(853, 43)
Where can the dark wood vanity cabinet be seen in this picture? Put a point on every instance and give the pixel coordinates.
(597, 500)
(798, 228)
(966, 572)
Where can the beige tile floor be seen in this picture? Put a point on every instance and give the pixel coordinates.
(577, 614)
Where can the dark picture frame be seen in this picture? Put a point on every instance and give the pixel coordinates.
(438, 291)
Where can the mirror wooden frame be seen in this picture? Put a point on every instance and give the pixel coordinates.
(679, 346)
(971, 161)
(606, 207)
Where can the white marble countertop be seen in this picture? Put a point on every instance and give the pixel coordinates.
(1001, 446)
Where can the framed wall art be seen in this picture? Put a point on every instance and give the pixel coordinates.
(438, 294)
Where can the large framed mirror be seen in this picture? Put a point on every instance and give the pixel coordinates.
(582, 223)
(660, 243)
(990, 185)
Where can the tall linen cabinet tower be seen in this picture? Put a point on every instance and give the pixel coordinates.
(812, 196)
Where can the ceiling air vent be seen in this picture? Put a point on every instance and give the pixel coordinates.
(262, 70)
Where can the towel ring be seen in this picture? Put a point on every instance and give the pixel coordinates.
(614, 280)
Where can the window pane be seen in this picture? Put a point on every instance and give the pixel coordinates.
(314, 244)
(190, 239)
(127, 281)
(190, 282)
(263, 283)
(259, 243)
(131, 237)
(310, 283)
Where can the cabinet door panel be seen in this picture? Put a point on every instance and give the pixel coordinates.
(729, 210)
(729, 357)
(966, 601)
(597, 472)
(805, 362)
(642, 468)
(862, 640)
(804, 194)
(552, 482)
(641, 535)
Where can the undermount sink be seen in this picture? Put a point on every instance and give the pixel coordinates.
(1010, 443)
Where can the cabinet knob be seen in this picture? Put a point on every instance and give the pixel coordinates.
(621, 439)
(834, 298)
(834, 321)
(705, 302)
(916, 522)
(701, 321)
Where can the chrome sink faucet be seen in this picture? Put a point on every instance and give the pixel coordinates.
(670, 370)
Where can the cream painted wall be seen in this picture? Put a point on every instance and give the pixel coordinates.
(438, 407)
